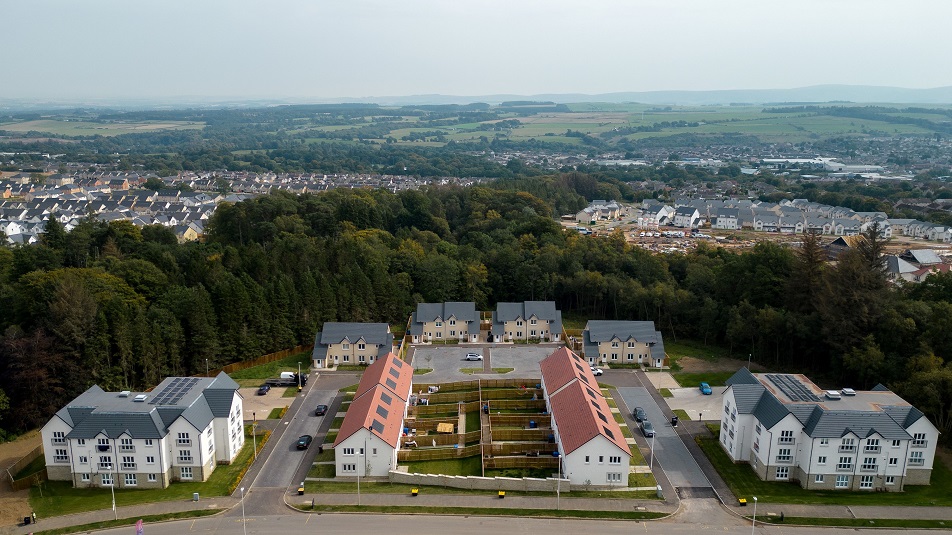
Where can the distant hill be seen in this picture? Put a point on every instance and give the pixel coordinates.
(799, 95)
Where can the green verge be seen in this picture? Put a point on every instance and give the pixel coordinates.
(682, 415)
(422, 371)
(665, 393)
(276, 413)
(273, 369)
(335, 487)
(744, 483)
(290, 392)
(60, 498)
(480, 511)
(911, 523)
(129, 522)
(694, 379)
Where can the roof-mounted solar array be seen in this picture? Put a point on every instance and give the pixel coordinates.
(791, 387)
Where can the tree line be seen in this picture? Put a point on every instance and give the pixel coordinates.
(123, 307)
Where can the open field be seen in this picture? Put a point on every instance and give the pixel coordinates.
(87, 128)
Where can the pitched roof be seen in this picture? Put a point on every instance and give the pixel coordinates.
(373, 333)
(428, 312)
(390, 372)
(543, 310)
(578, 408)
(597, 331)
(835, 424)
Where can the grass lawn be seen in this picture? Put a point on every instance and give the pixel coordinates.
(866, 523)
(325, 456)
(479, 511)
(467, 466)
(503, 370)
(692, 348)
(273, 369)
(642, 480)
(422, 371)
(333, 487)
(123, 522)
(744, 483)
(322, 470)
(289, 392)
(330, 438)
(682, 415)
(277, 413)
(351, 368)
(337, 422)
(694, 379)
(665, 393)
(472, 422)
(538, 473)
(637, 459)
(60, 498)
(471, 371)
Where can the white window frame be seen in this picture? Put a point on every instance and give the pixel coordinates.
(842, 482)
(185, 472)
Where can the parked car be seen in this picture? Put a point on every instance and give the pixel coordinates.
(639, 414)
(304, 441)
(647, 429)
(321, 410)
(264, 389)
(596, 371)
(474, 356)
(706, 389)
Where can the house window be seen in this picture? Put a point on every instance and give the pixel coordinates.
(586, 459)
(872, 446)
(348, 468)
(185, 472)
(184, 440)
(150, 460)
(59, 437)
(821, 460)
(518, 334)
(105, 462)
(916, 458)
(185, 456)
(846, 463)
(757, 445)
(519, 324)
(81, 441)
(896, 443)
(152, 478)
(59, 456)
(360, 358)
(361, 347)
(890, 480)
(783, 455)
(346, 358)
(614, 344)
(631, 356)
(848, 444)
(614, 356)
(783, 472)
(869, 464)
(131, 480)
(83, 459)
(894, 461)
(613, 477)
(348, 451)
(102, 444)
(533, 333)
(84, 477)
(452, 333)
(148, 442)
(824, 442)
(614, 460)
(757, 429)
(631, 344)
(786, 437)
(866, 482)
(601, 459)
(345, 347)
(818, 478)
(105, 479)
(128, 463)
(842, 482)
(452, 323)
(373, 451)
(919, 440)
(125, 444)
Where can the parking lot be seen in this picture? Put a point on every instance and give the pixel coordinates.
(697, 405)
(446, 361)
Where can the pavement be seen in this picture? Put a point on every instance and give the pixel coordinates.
(678, 503)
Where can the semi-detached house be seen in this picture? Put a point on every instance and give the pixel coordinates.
(592, 449)
(457, 321)
(622, 342)
(179, 431)
(351, 343)
(529, 320)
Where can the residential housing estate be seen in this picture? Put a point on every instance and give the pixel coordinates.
(445, 321)
(788, 429)
(179, 431)
(351, 343)
(529, 320)
(622, 342)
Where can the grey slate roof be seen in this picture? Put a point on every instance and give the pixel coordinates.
(335, 332)
(597, 331)
(922, 256)
(96, 411)
(898, 266)
(462, 311)
(747, 396)
(742, 376)
(769, 410)
(835, 424)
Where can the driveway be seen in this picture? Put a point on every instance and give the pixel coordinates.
(446, 361)
(697, 405)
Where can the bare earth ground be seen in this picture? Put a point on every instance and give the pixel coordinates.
(695, 365)
(14, 505)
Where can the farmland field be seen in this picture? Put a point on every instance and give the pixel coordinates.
(87, 128)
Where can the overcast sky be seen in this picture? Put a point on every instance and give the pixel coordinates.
(66, 49)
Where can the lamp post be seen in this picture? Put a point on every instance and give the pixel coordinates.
(299, 376)
(206, 367)
(753, 522)
(254, 436)
(112, 490)
(749, 355)
(558, 486)
(651, 465)
(244, 527)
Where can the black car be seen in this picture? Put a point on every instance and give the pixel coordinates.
(321, 410)
(264, 389)
(639, 414)
(304, 441)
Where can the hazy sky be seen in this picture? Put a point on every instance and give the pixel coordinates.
(359, 48)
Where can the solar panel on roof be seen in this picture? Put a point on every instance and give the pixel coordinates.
(791, 387)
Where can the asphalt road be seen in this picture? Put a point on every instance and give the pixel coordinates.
(670, 453)
(344, 524)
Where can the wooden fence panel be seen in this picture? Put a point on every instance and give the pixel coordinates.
(504, 434)
(29, 481)
(497, 449)
(522, 462)
(430, 454)
(265, 359)
(519, 420)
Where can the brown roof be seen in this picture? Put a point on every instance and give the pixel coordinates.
(388, 371)
(373, 411)
(578, 407)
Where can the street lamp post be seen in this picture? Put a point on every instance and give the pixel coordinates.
(206, 367)
(244, 527)
(651, 465)
(753, 522)
(299, 376)
(254, 436)
(749, 355)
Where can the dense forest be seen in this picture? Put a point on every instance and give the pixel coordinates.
(124, 307)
